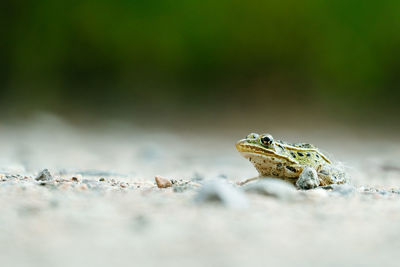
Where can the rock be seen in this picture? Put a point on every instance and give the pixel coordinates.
(308, 179)
(102, 179)
(219, 191)
(76, 178)
(44, 176)
(272, 187)
(162, 182)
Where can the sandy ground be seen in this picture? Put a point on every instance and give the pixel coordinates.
(126, 220)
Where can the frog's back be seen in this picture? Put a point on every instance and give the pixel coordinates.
(304, 145)
(305, 154)
(298, 145)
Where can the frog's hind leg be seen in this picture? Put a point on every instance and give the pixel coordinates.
(248, 180)
(331, 175)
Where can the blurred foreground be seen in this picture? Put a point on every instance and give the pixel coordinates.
(127, 220)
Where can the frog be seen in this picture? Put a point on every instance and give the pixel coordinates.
(301, 164)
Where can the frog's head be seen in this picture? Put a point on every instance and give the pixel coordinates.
(257, 144)
(263, 148)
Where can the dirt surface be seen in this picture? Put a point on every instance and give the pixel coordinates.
(99, 204)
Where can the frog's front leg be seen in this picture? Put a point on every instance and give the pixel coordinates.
(308, 179)
(248, 180)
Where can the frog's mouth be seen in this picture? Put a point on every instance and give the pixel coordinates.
(249, 150)
(244, 147)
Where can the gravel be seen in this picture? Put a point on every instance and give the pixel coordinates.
(114, 214)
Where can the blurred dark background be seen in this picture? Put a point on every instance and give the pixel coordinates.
(167, 56)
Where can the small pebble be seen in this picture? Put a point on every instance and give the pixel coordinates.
(44, 175)
(162, 182)
(308, 179)
(102, 179)
(76, 179)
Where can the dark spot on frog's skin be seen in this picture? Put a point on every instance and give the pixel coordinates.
(317, 155)
(308, 154)
(300, 154)
(323, 172)
(281, 146)
(279, 165)
(293, 155)
(290, 168)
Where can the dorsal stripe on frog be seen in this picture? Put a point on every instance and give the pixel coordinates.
(302, 147)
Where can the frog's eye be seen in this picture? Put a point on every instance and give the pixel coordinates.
(266, 139)
(252, 136)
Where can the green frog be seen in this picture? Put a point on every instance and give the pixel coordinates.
(300, 164)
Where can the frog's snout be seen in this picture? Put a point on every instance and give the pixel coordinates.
(239, 145)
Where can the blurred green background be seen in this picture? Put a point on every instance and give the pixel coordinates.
(172, 55)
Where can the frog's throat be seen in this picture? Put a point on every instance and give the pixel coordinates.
(249, 149)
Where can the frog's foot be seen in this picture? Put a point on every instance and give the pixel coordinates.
(248, 180)
(308, 179)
